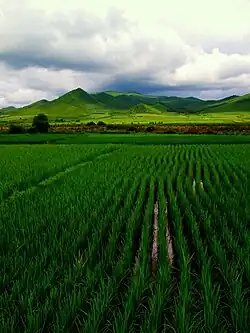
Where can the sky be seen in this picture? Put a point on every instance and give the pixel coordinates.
(195, 48)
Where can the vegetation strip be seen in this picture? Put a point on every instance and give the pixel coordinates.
(55, 177)
(78, 255)
(121, 138)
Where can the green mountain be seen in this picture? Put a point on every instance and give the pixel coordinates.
(37, 105)
(131, 93)
(230, 104)
(144, 108)
(120, 107)
(7, 109)
(76, 97)
(228, 98)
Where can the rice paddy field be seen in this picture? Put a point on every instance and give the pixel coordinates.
(124, 238)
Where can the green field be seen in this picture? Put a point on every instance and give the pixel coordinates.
(116, 237)
(138, 138)
(126, 108)
(127, 118)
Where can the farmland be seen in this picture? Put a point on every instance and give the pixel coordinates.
(137, 138)
(114, 237)
(79, 107)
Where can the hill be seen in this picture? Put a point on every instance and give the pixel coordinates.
(7, 109)
(131, 93)
(132, 107)
(144, 108)
(76, 97)
(37, 105)
(231, 104)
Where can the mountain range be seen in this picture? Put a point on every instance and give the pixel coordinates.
(120, 107)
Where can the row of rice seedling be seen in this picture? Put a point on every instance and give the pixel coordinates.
(40, 241)
(230, 277)
(35, 235)
(234, 182)
(224, 203)
(229, 211)
(25, 166)
(133, 298)
(189, 221)
(183, 320)
(142, 239)
(133, 302)
(94, 272)
(241, 177)
(160, 310)
(206, 299)
(105, 284)
(235, 231)
(237, 156)
(160, 301)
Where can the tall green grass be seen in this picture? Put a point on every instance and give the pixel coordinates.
(76, 252)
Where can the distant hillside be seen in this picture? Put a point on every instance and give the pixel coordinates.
(231, 104)
(228, 98)
(7, 109)
(144, 108)
(131, 93)
(111, 106)
(37, 105)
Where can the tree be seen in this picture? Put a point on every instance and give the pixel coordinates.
(91, 123)
(101, 123)
(41, 123)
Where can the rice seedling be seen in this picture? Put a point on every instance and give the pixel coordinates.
(125, 238)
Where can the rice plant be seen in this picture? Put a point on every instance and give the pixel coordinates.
(125, 238)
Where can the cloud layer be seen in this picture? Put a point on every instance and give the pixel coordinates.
(199, 48)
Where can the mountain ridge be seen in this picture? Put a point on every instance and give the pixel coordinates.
(116, 106)
(80, 94)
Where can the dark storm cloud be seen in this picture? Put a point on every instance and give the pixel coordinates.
(60, 42)
(140, 85)
(146, 86)
(23, 59)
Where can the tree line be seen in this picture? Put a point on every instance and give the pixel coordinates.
(40, 124)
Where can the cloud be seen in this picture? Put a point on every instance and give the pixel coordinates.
(42, 83)
(49, 47)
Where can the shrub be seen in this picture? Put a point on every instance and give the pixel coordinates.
(32, 130)
(101, 123)
(150, 129)
(91, 123)
(16, 129)
(170, 131)
(41, 123)
(132, 129)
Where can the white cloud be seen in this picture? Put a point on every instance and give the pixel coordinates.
(48, 47)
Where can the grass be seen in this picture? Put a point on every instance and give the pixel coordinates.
(68, 249)
(42, 164)
(139, 139)
(71, 115)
